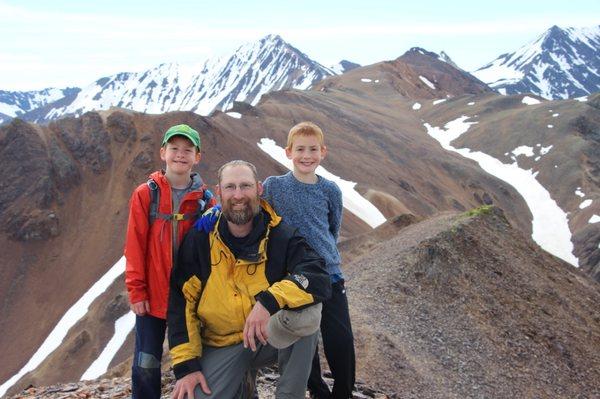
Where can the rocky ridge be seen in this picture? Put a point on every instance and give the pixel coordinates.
(120, 388)
(465, 306)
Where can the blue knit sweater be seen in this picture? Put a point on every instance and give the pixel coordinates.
(314, 209)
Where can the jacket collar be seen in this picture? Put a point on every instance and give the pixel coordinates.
(255, 242)
(160, 179)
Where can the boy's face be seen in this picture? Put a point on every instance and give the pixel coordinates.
(306, 154)
(180, 155)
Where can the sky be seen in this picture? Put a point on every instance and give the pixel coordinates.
(73, 43)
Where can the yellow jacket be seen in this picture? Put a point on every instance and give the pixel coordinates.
(217, 281)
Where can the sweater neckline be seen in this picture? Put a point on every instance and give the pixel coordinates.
(299, 182)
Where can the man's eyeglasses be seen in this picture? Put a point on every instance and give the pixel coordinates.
(244, 187)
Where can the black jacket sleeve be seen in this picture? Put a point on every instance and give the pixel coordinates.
(306, 281)
(184, 295)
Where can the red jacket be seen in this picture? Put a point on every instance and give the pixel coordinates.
(149, 250)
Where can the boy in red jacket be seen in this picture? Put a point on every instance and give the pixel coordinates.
(161, 211)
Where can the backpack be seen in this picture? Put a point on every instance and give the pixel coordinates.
(153, 214)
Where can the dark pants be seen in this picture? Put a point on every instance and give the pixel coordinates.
(145, 372)
(338, 345)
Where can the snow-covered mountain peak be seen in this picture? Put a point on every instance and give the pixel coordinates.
(17, 103)
(252, 70)
(561, 63)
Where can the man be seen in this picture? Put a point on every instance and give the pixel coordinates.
(234, 286)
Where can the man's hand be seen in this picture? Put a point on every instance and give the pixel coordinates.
(256, 326)
(186, 385)
(140, 308)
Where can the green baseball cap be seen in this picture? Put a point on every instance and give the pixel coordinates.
(185, 131)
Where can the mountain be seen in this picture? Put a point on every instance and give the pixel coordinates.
(561, 63)
(251, 71)
(63, 219)
(18, 103)
(418, 74)
(344, 66)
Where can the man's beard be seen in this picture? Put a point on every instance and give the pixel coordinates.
(241, 216)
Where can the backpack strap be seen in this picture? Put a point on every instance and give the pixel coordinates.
(153, 213)
(154, 199)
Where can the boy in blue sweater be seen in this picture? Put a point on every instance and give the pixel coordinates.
(313, 205)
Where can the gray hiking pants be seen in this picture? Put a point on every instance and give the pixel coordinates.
(226, 368)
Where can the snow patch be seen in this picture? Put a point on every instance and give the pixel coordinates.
(585, 204)
(555, 115)
(550, 126)
(581, 99)
(545, 150)
(416, 106)
(365, 80)
(427, 82)
(523, 150)
(235, 115)
(471, 103)
(10, 109)
(123, 326)
(594, 219)
(550, 224)
(579, 193)
(435, 102)
(530, 100)
(496, 74)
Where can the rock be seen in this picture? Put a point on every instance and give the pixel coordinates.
(120, 126)
(117, 388)
(86, 139)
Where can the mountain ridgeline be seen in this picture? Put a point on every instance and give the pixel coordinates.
(251, 71)
(560, 64)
